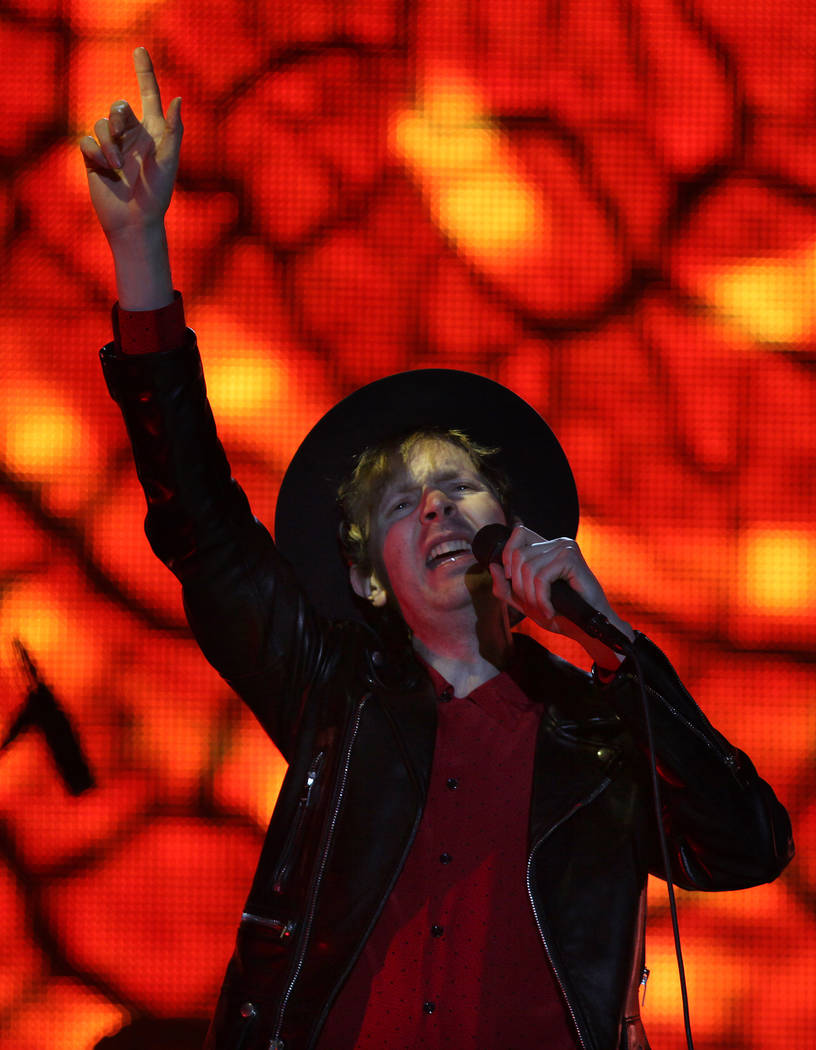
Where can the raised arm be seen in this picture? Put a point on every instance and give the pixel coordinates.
(132, 167)
(242, 601)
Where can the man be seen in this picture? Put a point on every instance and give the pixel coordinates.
(460, 848)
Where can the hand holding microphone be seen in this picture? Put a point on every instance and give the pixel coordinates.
(530, 583)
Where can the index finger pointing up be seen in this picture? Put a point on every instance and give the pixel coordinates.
(148, 85)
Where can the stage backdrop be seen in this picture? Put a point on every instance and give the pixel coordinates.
(610, 207)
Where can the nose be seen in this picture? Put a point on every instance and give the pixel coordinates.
(435, 504)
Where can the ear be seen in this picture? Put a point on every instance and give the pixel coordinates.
(367, 586)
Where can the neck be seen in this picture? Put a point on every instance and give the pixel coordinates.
(468, 654)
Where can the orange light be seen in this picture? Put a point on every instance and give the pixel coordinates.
(67, 648)
(778, 567)
(773, 299)
(678, 571)
(43, 437)
(477, 194)
(67, 1016)
(98, 16)
(256, 389)
(251, 774)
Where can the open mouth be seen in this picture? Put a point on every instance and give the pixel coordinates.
(448, 550)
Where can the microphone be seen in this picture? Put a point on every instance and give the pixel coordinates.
(487, 546)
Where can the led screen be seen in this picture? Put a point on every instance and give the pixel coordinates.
(608, 207)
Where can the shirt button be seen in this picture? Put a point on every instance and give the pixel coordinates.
(446, 694)
(452, 783)
(428, 1006)
(437, 930)
(445, 858)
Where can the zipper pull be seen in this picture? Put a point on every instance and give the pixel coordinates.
(644, 977)
(312, 776)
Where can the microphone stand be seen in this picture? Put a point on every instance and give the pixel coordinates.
(42, 711)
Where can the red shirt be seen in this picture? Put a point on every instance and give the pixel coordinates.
(455, 960)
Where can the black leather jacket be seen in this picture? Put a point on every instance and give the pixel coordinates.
(357, 729)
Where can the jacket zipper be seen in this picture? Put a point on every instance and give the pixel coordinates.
(276, 1043)
(585, 802)
(728, 757)
(281, 872)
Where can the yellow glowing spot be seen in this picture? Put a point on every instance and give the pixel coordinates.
(242, 386)
(504, 213)
(256, 386)
(31, 614)
(447, 135)
(69, 649)
(42, 437)
(778, 570)
(714, 1001)
(473, 184)
(248, 380)
(773, 299)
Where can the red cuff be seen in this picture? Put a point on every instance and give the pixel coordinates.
(149, 331)
(603, 675)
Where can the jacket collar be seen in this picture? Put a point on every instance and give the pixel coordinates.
(578, 740)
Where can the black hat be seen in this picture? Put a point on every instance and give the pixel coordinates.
(542, 489)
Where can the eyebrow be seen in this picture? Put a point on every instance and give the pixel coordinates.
(400, 488)
(392, 490)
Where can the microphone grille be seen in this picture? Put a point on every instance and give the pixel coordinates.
(489, 541)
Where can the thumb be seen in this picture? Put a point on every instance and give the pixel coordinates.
(168, 149)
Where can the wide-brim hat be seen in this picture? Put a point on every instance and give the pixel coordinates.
(542, 494)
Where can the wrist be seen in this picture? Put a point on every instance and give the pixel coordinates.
(137, 240)
(142, 264)
(601, 654)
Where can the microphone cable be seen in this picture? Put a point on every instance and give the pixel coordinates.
(629, 651)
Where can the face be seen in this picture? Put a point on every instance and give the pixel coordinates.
(421, 531)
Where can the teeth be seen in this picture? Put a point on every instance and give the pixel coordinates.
(448, 547)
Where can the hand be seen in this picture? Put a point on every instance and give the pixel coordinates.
(132, 167)
(530, 564)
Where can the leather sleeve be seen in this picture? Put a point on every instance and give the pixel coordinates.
(725, 827)
(243, 604)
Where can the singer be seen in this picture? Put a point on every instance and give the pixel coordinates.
(459, 853)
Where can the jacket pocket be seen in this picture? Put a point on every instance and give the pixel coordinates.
(294, 837)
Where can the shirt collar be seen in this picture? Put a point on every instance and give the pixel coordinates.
(500, 697)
